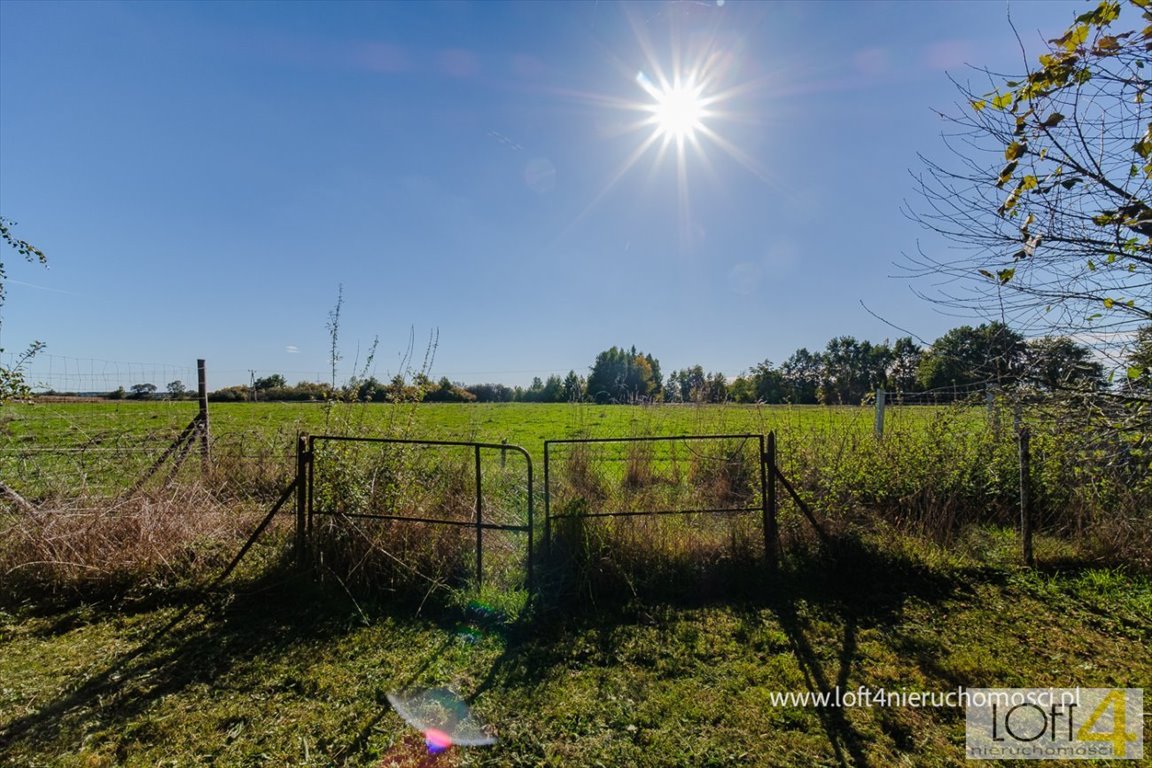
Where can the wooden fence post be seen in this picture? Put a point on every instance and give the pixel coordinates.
(880, 397)
(1026, 497)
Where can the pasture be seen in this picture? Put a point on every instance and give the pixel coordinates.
(652, 643)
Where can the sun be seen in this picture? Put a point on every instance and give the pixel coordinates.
(678, 109)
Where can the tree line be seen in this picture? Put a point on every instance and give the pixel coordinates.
(847, 371)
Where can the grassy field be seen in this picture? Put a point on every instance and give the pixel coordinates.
(645, 647)
(285, 671)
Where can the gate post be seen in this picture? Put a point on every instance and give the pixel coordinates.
(1026, 498)
(479, 522)
(302, 461)
(768, 490)
(202, 416)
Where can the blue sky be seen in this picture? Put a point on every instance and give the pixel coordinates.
(204, 176)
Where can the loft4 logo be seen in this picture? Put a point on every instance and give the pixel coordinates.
(1054, 723)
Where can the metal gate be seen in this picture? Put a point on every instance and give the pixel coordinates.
(409, 492)
(631, 463)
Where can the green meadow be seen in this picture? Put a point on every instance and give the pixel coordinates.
(649, 642)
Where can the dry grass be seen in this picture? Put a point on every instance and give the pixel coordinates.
(86, 545)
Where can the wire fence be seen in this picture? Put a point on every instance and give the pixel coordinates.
(936, 472)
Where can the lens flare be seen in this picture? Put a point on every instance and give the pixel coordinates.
(443, 718)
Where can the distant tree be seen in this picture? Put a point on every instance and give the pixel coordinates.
(904, 366)
(117, 394)
(693, 383)
(573, 388)
(367, 390)
(767, 383)
(741, 390)
(274, 381)
(535, 391)
(852, 369)
(553, 390)
(965, 357)
(624, 376)
(715, 388)
(491, 393)
(801, 376)
(448, 392)
(141, 391)
(1055, 363)
(176, 389)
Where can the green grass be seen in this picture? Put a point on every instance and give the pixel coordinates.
(286, 671)
(917, 591)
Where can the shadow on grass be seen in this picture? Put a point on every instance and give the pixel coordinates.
(209, 635)
(847, 581)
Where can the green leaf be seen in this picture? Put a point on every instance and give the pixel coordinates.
(979, 104)
(986, 274)
(1002, 100)
(1029, 182)
(1005, 275)
(1111, 258)
(1052, 120)
(1014, 150)
(1091, 265)
(1108, 303)
(1135, 372)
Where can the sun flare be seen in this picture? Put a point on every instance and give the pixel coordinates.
(678, 111)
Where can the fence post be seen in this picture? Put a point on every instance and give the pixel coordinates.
(880, 396)
(301, 500)
(202, 388)
(479, 524)
(1026, 497)
(990, 392)
(768, 484)
(547, 510)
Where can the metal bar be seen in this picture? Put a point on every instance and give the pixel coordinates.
(178, 462)
(800, 503)
(1026, 497)
(202, 417)
(729, 511)
(531, 554)
(301, 502)
(479, 522)
(311, 484)
(457, 443)
(186, 435)
(547, 506)
(255, 534)
(650, 439)
(429, 520)
(768, 491)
